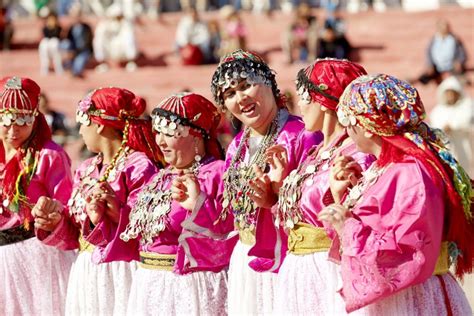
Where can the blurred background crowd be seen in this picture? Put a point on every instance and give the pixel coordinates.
(158, 47)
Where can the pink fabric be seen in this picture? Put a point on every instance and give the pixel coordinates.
(138, 169)
(394, 238)
(271, 243)
(200, 244)
(52, 178)
(311, 202)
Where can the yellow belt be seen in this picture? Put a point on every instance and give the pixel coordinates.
(247, 237)
(157, 261)
(85, 245)
(442, 264)
(306, 239)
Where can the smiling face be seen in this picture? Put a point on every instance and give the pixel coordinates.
(253, 104)
(179, 151)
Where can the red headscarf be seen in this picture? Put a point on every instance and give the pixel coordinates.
(325, 80)
(121, 109)
(180, 112)
(392, 109)
(19, 99)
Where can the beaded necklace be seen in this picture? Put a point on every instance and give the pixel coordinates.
(237, 176)
(289, 212)
(77, 202)
(148, 217)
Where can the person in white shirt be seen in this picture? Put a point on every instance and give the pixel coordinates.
(454, 113)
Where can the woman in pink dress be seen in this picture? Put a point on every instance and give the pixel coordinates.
(307, 280)
(105, 189)
(409, 217)
(34, 276)
(244, 85)
(184, 252)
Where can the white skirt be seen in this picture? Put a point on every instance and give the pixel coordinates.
(34, 278)
(249, 292)
(99, 289)
(158, 292)
(308, 285)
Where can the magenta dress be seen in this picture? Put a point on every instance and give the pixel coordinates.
(35, 276)
(394, 260)
(307, 280)
(249, 291)
(101, 276)
(184, 254)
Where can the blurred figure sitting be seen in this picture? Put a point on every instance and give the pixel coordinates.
(300, 40)
(55, 120)
(78, 44)
(454, 113)
(193, 39)
(445, 55)
(114, 40)
(234, 31)
(6, 28)
(333, 45)
(49, 46)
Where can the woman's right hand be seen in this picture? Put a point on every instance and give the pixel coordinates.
(47, 213)
(277, 157)
(345, 172)
(185, 190)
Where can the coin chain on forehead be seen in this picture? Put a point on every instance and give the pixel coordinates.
(237, 176)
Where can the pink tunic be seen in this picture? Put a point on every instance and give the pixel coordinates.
(199, 243)
(393, 240)
(307, 283)
(271, 243)
(312, 196)
(30, 270)
(252, 292)
(131, 175)
(52, 178)
(198, 285)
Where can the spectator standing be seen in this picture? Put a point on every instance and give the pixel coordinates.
(49, 46)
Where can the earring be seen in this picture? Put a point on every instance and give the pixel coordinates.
(197, 157)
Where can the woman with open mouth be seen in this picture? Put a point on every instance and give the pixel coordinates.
(244, 85)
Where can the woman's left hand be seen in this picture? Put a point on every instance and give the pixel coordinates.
(261, 190)
(185, 189)
(336, 215)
